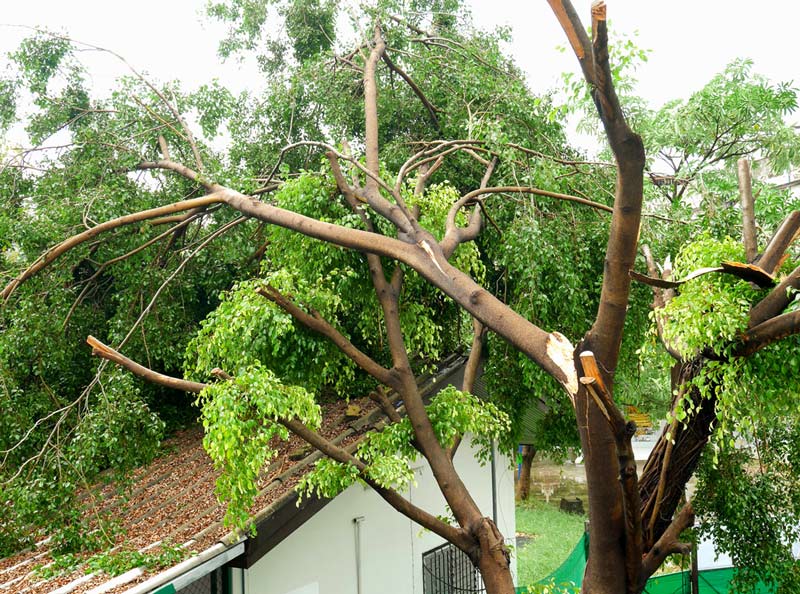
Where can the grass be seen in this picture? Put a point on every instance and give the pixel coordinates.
(553, 535)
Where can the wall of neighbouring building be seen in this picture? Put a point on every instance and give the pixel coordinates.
(321, 558)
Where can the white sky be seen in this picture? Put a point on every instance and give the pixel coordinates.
(691, 39)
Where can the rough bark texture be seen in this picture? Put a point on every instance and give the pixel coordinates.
(670, 466)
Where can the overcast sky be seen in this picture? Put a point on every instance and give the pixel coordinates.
(691, 39)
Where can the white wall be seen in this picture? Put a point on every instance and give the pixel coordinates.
(320, 557)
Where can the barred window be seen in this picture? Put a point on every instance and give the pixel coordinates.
(448, 570)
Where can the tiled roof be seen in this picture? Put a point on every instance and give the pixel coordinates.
(172, 501)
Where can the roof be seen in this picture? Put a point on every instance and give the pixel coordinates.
(172, 501)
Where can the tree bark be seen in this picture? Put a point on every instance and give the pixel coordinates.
(494, 559)
(748, 209)
(524, 482)
(669, 467)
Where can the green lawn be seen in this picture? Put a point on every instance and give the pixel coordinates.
(553, 536)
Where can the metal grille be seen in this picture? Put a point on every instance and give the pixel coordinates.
(211, 583)
(447, 570)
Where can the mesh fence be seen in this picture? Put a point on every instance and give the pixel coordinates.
(569, 576)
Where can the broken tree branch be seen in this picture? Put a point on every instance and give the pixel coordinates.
(423, 518)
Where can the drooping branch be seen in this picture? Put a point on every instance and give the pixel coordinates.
(551, 351)
(100, 269)
(183, 170)
(432, 153)
(56, 251)
(415, 88)
(455, 235)
(423, 518)
(455, 535)
(105, 352)
(313, 320)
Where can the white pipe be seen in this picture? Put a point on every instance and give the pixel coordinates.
(357, 528)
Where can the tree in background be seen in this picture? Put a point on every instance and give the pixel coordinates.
(472, 121)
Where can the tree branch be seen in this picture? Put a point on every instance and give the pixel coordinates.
(105, 352)
(776, 300)
(314, 321)
(414, 87)
(773, 330)
(667, 545)
(772, 256)
(56, 251)
(379, 397)
(471, 369)
(423, 518)
(455, 535)
(184, 171)
(455, 235)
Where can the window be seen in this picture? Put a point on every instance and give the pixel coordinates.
(447, 570)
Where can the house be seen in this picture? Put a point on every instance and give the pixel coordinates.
(353, 544)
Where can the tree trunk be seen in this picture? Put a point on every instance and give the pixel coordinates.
(524, 482)
(493, 559)
(605, 569)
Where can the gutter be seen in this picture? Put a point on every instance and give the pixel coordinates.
(186, 572)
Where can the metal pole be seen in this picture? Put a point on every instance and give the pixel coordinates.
(494, 486)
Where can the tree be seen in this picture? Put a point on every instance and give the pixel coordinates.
(635, 524)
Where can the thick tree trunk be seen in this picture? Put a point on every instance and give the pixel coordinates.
(524, 482)
(605, 570)
(496, 577)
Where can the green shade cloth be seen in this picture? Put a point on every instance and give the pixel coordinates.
(569, 575)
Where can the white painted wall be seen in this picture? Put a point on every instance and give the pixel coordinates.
(320, 557)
